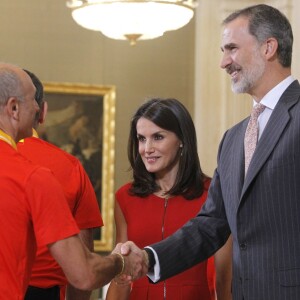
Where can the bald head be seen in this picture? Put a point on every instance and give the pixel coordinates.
(17, 102)
(13, 81)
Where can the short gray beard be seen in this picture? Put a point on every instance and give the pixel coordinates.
(249, 76)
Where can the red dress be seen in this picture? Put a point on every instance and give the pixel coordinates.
(151, 219)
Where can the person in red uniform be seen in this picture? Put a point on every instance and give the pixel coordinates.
(47, 278)
(167, 190)
(33, 209)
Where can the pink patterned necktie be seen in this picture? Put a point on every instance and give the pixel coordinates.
(251, 134)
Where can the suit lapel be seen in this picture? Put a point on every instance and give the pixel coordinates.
(274, 129)
(239, 168)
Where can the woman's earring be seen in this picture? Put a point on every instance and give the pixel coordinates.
(181, 146)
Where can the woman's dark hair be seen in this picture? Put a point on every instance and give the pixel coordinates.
(170, 115)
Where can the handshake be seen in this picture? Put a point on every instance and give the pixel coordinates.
(135, 262)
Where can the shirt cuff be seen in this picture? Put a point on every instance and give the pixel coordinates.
(154, 274)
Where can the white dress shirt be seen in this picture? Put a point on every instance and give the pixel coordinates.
(269, 101)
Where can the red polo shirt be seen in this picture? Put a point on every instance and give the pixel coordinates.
(33, 211)
(80, 196)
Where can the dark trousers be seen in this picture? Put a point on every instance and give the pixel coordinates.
(35, 293)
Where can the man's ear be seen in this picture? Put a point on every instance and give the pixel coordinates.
(43, 112)
(13, 107)
(271, 48)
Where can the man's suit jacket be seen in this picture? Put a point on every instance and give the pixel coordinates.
(262, 211)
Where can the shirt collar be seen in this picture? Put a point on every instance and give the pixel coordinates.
(272, 97)
(34, 134)
(8, 139)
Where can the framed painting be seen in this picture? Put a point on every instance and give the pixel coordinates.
(81, 121)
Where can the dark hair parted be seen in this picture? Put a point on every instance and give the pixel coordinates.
(39, 93)
(265, 22)
(170, 115)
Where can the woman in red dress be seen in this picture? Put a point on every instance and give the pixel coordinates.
(167, 190)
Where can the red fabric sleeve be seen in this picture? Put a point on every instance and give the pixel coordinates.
(51, 216)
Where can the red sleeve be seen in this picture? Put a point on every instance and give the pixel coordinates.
(51, 216)
(122, 197)
(211, 275)
(86, 211)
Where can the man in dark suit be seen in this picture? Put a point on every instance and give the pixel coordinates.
(260, 207)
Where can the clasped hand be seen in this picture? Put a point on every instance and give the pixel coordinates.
(135, 262)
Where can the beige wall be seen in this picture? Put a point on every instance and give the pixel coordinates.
(41, 36)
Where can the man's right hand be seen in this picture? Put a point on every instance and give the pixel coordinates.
(136, 262)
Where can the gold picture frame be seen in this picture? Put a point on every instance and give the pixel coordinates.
(79, 116)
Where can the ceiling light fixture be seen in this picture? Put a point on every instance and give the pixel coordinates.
(132, 19)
